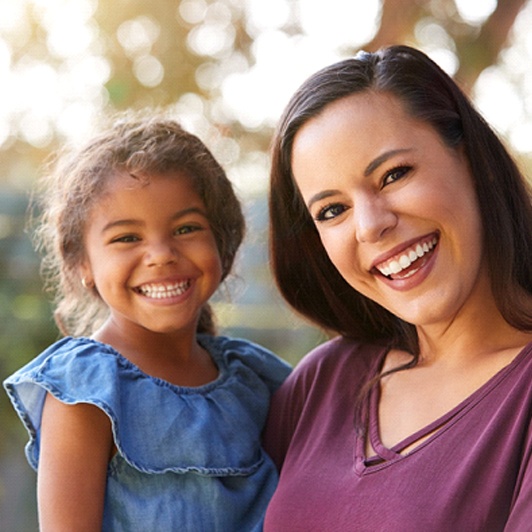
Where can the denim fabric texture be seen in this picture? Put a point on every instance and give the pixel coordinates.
(188, 458)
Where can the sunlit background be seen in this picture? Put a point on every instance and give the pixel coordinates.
(225, 68)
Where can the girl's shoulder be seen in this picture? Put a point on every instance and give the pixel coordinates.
(82, 366)
(239, 355)
(66, 355)
(69, 364)
(82, 370)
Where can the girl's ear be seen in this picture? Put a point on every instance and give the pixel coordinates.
(86, 277)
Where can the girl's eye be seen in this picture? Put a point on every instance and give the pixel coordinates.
(186, 229)
(126, 239)
(395, 174)
(330, 211)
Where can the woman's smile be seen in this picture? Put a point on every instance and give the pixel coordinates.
(407, 262)
(396, 211)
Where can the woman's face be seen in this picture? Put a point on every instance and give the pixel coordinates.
(395, 208)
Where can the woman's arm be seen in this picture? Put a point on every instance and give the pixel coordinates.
(75, 449)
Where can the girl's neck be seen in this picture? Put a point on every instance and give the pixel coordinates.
(175, 358)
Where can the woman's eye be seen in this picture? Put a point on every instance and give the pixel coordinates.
(395, 174)
(330, 211)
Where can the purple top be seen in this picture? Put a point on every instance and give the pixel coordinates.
(473, 473)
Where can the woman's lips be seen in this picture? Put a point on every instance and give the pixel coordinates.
(407, 262)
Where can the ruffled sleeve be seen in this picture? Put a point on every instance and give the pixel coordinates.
(158, 427)
(271, 369)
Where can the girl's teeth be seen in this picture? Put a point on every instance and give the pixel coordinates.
(163, 291)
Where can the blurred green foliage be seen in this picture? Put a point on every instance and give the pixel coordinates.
(25, 317)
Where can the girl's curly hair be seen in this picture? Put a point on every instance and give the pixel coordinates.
(139, 146)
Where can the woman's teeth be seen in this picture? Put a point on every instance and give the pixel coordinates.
(161, 291)
(406, 259)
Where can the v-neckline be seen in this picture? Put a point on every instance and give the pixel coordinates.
(384, 456)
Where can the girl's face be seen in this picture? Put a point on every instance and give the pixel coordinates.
(151, 253)
(395, 208)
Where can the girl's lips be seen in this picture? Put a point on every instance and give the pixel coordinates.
(404, 264)
(163, 290)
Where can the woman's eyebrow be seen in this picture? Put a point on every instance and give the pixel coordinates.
(373, 165)
(320, 196)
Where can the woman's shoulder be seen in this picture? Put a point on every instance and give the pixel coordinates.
(337, 360)
(341, 352)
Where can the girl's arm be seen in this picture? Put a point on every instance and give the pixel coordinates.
(75, 449)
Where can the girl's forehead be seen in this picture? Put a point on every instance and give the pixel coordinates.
(133, 180)
(126, 192)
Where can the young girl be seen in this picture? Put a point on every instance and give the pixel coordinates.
(152, 421)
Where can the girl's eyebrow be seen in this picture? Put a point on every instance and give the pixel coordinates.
(372, 166)
(132, 221)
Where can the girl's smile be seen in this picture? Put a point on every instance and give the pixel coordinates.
(164, 291)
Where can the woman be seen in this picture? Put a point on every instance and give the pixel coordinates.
(400, 223)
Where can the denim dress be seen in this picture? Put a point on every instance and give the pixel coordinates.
(189, 458)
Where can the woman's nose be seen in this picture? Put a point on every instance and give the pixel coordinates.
(373, 218)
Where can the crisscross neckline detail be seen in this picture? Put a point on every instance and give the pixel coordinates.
(385, 455)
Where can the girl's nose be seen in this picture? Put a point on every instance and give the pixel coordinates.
(373, 218)
(160, 254)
